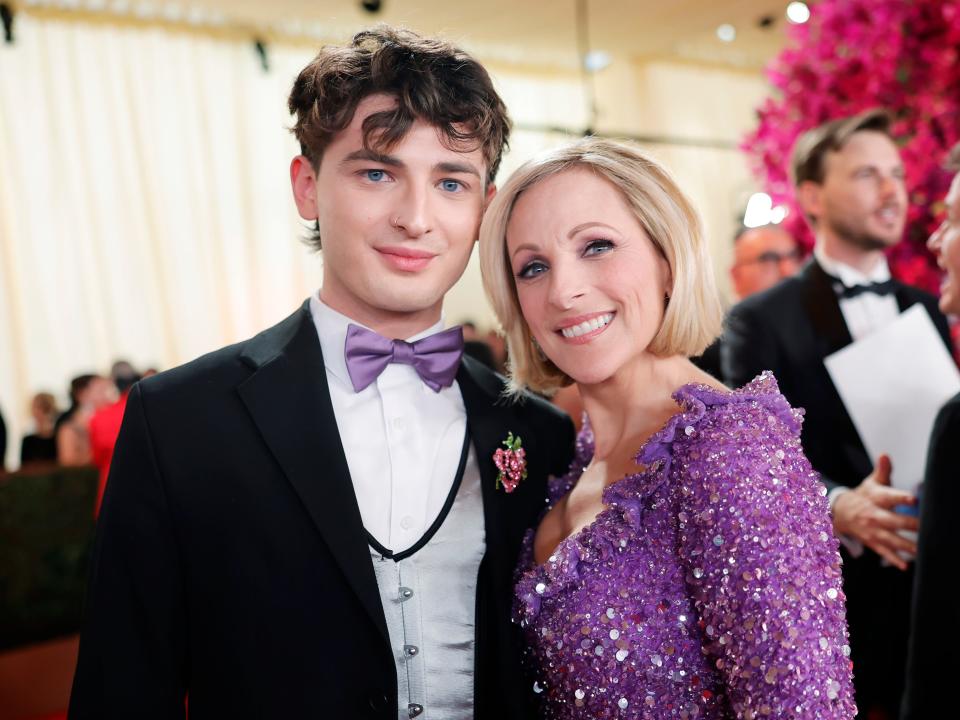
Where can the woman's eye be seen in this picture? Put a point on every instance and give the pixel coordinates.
(596, 247)
(532, 270)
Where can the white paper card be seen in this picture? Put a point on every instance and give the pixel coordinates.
(892, 383)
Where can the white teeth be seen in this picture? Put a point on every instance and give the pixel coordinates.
(587, 326)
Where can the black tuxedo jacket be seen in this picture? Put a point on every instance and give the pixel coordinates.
(790, 329)
(931, 661)
(231, 565)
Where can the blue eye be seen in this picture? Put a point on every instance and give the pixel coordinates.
(532, 269)
(375, 175)
(451, 185)
(597, 247)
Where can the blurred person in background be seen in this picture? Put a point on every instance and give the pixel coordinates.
(849, 181)
(762, 257)
(40, 446)
(88, 393)
(105, 424)
(475, 346)
(931, 657)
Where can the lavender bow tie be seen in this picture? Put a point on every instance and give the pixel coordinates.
(435, 358)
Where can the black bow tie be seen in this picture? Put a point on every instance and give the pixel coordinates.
(851, 291)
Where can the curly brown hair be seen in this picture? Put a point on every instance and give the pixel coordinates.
(431, 80)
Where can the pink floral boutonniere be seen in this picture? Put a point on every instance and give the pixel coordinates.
(512, 463)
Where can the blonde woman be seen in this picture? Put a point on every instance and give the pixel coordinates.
(686, 566)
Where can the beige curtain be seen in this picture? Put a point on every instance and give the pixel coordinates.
(145, 209)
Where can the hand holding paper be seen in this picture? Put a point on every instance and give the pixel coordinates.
(866, 514)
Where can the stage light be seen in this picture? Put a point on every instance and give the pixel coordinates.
(798, 13)
(759, 210)
(596, 60)
(727, 33)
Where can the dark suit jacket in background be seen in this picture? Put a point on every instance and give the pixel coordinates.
(709, 360)
(932, 656)
(231, 563)
(790, 329)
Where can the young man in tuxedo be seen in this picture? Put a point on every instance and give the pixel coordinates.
(309, 523)
(850, 183)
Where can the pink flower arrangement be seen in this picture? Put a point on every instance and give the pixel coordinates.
(512, 463)
(858, 54)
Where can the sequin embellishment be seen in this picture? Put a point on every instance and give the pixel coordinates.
(709, 586)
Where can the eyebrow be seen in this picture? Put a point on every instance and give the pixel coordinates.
(370, 155)
(525, 246)
(463, 168)
(573, 231)
(584, 226)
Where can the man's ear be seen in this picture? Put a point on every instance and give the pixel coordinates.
(491, 192)
(810, 199)
(303, 181)
(490, 195)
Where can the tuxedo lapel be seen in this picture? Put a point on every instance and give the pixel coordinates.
(288, 399)
(487, 431)
(491, 417)
(823, 309)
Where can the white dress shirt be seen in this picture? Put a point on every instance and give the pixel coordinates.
(402, 440)
(867, 311)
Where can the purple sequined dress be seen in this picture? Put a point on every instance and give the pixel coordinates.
(709, 587)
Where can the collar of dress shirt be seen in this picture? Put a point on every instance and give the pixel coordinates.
(848, 275)
(332, 330)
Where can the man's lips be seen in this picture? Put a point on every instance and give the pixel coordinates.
(889, 214)
(406, 259)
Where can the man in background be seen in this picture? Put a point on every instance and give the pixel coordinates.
(762, 257)
(849, 181)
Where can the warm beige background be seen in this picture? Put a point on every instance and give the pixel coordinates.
(145, 211)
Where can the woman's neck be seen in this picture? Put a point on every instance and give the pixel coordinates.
(632, 404)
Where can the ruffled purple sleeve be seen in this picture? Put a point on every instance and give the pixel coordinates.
(761, 561)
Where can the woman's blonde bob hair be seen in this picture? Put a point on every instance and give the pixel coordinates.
(693, 315)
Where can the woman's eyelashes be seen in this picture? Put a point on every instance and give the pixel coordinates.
(591, 248)
(597, 247)
(532, 269)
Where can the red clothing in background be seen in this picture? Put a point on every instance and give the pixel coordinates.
(104, 428)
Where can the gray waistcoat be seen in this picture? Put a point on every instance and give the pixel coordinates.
(429, 599)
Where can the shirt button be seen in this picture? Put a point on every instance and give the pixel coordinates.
(414, 709)
(406, 522)
(405, 593)
(410, 650)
